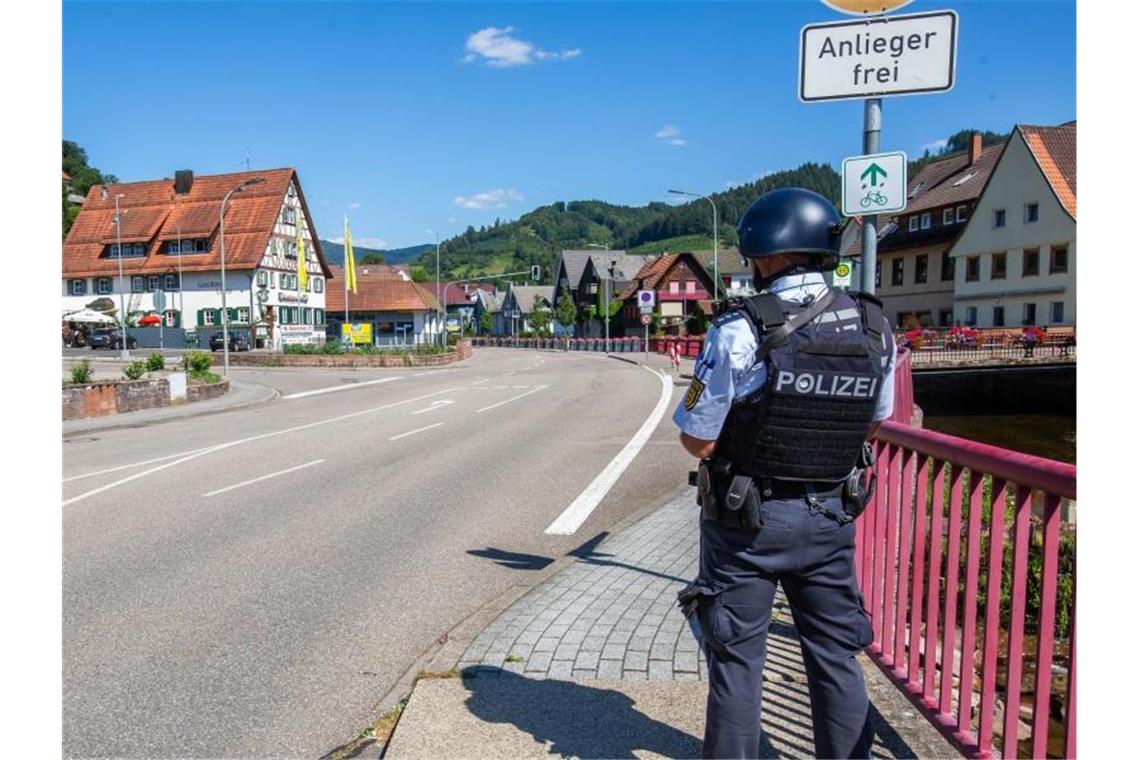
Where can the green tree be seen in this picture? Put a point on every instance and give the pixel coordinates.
(565, 310)
(540, 317)
(372, 258)
(418, 273)
(83, 177)
(697, 322)
(486, 324)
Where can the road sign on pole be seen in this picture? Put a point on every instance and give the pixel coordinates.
(841, 277)
(159, 300)
(874, 184)
(878, 56)
(646, 319)
(646, 300)
(865, 7)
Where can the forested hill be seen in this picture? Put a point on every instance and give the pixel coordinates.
(539, 236)
(334, 253)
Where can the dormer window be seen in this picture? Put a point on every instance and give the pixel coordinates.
(912, 225)
(947, 216)
(926, 221)
(130, 251)
(189, 246)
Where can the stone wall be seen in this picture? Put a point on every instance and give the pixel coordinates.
(104, 399)
(201, 391)
(461, 351)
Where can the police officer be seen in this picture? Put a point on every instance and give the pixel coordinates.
(789, 387)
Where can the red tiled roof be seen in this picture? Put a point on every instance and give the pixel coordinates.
(153, 213)
(955, 181)
(649, 275)
(1055, 149)
(379, 291)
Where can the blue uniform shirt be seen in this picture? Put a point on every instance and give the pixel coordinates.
(727, 369)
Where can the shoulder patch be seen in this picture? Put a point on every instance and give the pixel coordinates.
(696, 390)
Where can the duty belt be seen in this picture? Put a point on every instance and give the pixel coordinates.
(734, 500)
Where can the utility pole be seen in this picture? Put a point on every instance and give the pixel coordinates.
(222, 237)
(124, 352)
(716, 224)
(606, 286)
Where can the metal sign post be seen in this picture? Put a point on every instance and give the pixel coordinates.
(160, 307)
(872, 126)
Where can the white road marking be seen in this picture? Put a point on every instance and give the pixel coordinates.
(413, 432)
(263, 477)
(481, 380)
(435, 405)
(574, 515)
(536, 389)
(220, 446)
(335, 388)
(134, 464)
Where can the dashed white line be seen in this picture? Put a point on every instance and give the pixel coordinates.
(435, 405)
(413, 432)
(574, 515)
(228, 444)
(536, 389)
(335, 388)
(134, 464)
(263, 477)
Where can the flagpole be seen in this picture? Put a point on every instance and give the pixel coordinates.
(346, 255)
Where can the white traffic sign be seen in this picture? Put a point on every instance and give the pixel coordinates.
(646, 299)
(878, 56)
(646, 319)
(874, 184)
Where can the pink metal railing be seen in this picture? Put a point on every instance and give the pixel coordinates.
(922, 591)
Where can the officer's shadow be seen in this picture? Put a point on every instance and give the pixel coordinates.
(573, 719)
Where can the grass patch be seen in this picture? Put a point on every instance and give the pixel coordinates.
(514, 658)
(206, 377)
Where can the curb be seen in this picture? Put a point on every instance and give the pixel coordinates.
(444, 653)
(681, 379)
(264, 398)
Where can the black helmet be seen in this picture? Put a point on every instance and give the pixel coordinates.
(791, 220)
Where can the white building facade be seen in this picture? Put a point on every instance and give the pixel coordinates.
(173, 262)
(1016, 260)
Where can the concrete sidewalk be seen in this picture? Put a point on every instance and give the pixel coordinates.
(242, 394)
(681, 375)
(597, 661)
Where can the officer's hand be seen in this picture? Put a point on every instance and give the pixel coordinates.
(698, 447)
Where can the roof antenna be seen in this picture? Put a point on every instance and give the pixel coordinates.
(247, 158)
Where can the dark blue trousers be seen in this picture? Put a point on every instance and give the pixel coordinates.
(813, 557)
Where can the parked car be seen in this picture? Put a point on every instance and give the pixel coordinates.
(238, 342)
(110, 337)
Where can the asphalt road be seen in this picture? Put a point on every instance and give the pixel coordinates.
(251, 583)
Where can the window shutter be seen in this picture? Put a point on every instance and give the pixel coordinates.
(233, 315)
(218, 317)
(201, 318)
(178, 319)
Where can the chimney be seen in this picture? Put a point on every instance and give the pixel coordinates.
(975, 147)
(183, 181)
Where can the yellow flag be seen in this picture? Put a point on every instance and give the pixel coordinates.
(302, 269)
(349, 260)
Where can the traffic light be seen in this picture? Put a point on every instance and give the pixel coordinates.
(535, 273)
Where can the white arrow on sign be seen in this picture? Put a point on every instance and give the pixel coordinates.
(874, 184)
(435, 405)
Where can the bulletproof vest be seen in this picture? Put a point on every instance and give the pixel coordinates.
(810, 418)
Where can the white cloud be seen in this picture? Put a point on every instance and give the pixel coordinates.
(452, 220)
(354, 205)
(498, 48)
(362, 242)
(670, 135)
(936, 146)
(488, 199)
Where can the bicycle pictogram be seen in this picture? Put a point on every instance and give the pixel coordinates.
(875, 197)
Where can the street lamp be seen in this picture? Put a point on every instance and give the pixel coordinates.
(716, 267)
(124, 352)
(606, 286)
(222, 236)
(438, 295)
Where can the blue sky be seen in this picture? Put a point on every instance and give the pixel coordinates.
(409, 116)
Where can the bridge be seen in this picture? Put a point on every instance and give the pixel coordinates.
(967, 569)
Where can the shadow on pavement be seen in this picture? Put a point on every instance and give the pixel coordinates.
(576, 720)
(513, 560)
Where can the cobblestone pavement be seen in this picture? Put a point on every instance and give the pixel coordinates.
(612, 616)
